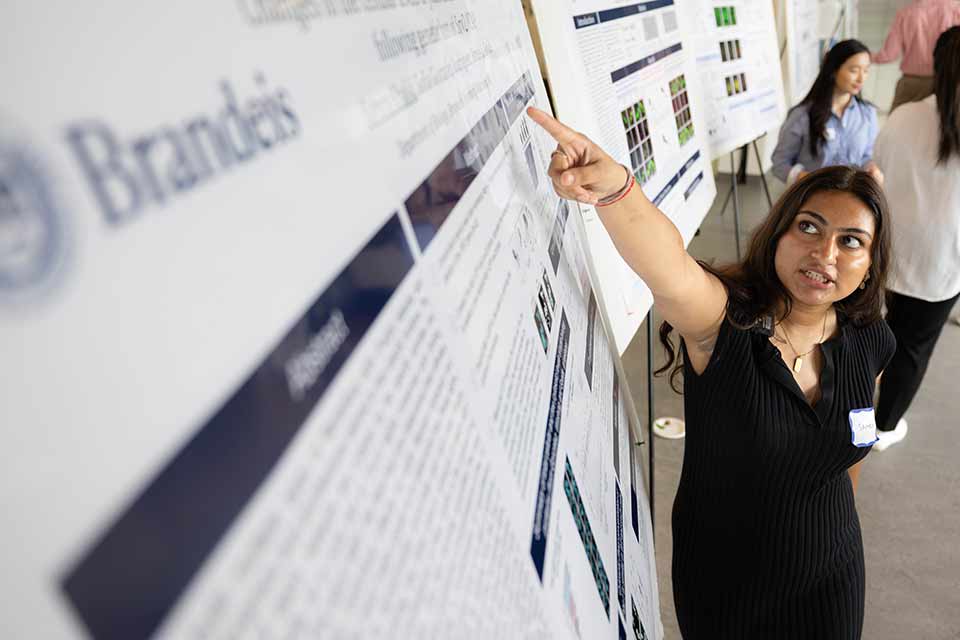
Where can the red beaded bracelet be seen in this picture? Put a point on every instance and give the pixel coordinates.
(621, 194)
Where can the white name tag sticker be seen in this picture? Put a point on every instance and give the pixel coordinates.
(830, 132)
(863, 427)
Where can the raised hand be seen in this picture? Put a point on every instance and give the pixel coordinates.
(689, 298)
(579, 169)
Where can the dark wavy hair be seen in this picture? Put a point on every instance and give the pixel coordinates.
(819, 100)
(946, 86)
(753, 287)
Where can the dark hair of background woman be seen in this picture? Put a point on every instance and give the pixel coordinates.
(946, 86)
(819, 99)
(753, 287)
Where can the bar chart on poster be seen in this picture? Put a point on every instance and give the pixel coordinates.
(803, 46)
(735, 48)
(306, 350)
(622, 75)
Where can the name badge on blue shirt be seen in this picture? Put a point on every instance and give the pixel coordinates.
(863, 427)
(830, 132)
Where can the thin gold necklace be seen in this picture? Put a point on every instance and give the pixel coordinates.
(798, 363)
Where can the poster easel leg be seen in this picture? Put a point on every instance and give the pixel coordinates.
(741, 176)
(736, 204)
(763, 178)
(726, 201)
(650, 413)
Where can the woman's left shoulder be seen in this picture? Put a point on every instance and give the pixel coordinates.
(872, 331)
(875, 340)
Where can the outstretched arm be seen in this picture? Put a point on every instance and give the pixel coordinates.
(892, 46)
(688, 297)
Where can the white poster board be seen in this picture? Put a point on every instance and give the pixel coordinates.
(803, 46)
(851, 19)
(736, 49)
(300, 348)
(621, 74)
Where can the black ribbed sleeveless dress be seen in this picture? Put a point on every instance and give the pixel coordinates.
(766, 538)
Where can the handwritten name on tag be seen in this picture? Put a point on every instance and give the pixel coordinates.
(863, 427)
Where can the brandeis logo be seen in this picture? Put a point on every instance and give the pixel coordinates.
(127, 174)
(32, 226)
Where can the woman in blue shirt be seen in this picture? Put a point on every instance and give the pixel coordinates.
(832, 125)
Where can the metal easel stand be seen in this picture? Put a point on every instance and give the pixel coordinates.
(739, 176)
(650, 414)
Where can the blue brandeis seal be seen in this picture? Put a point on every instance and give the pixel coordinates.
(33, 238)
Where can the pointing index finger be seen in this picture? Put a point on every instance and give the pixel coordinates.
(559, 131)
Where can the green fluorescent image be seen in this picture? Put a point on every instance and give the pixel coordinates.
(733, 15)
(718, 15)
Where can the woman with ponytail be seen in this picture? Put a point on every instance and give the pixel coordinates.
(919, 150)
(833, 124)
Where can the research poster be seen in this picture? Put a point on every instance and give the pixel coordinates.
(624, 75)
(803, 46)
(735, 45)
(297, 340)
(851, 19)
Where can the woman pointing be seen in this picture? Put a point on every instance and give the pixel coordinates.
(779, 356)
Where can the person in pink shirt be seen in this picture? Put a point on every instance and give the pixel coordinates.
(912, 36)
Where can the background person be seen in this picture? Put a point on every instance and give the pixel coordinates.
(766, 538)
(914, 31)
(833, 124)
(919, 150)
